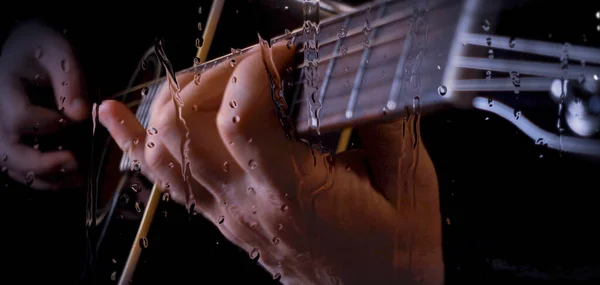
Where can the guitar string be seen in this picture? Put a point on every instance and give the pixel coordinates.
(205, 66)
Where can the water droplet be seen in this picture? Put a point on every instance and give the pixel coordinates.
(152, 131)
(136, 187)
(347, 68)
(221, 219)
(124, 200)
(442, 90)
(29, 178)
(144, 91)
(284, 208)
(439, 67)
(287, 32)
(235, 119)
(486, 25)
(197, 61)
(517, 114)
(233, 104)
(280, 227)
(144, 64)
(249, 140)
(136, 141)
(342, 34)
(234, 79)
(36, 146)
(60, 147)
(598, 15)
(199, 43)
(138, 206)
(39, 52)
(232, 63)
(226, 166)
(4, 169)
(276, 240)
(252, 164)
(367, 29)
(65, 83)
(166, 197)
(113, 276)
(195, 108)
(347, 83)
(64, 64)
(344, 49)
(254, 254)
(511, 42)
(167, 185)
(171, 165)
(223, 203)
(253, 225)
(596, 77)
(136, 166)
(277, 276)
(144, 242)
(122, 121)
(251, 191)
(151, 145)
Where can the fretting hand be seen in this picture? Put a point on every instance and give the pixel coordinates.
(306, 221)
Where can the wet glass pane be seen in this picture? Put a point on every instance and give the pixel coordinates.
(300, 142)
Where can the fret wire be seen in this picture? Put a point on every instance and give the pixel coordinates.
(361, 70)
(330, 67)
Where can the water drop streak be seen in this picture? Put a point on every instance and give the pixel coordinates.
(276, 89)
(178, 102)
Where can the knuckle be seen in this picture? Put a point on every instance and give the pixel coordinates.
(230, 125)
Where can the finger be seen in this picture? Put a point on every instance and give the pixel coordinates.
(156, 161)
(26, 159)
(206, 152)
(33, 43)
(211, 96)
(211, 163)
(164, 95)
(259, 144)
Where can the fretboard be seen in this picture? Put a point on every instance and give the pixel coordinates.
(372, 63)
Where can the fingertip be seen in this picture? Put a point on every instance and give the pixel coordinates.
(110, 113)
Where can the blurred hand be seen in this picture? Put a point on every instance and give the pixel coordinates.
(307, 219)
(35, 55)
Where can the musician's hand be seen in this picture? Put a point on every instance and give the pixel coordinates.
(308, 217)
(35, 55)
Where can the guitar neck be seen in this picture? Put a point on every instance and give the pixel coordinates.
(372, 63)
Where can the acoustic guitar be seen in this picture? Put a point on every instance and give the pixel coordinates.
(381, 61)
